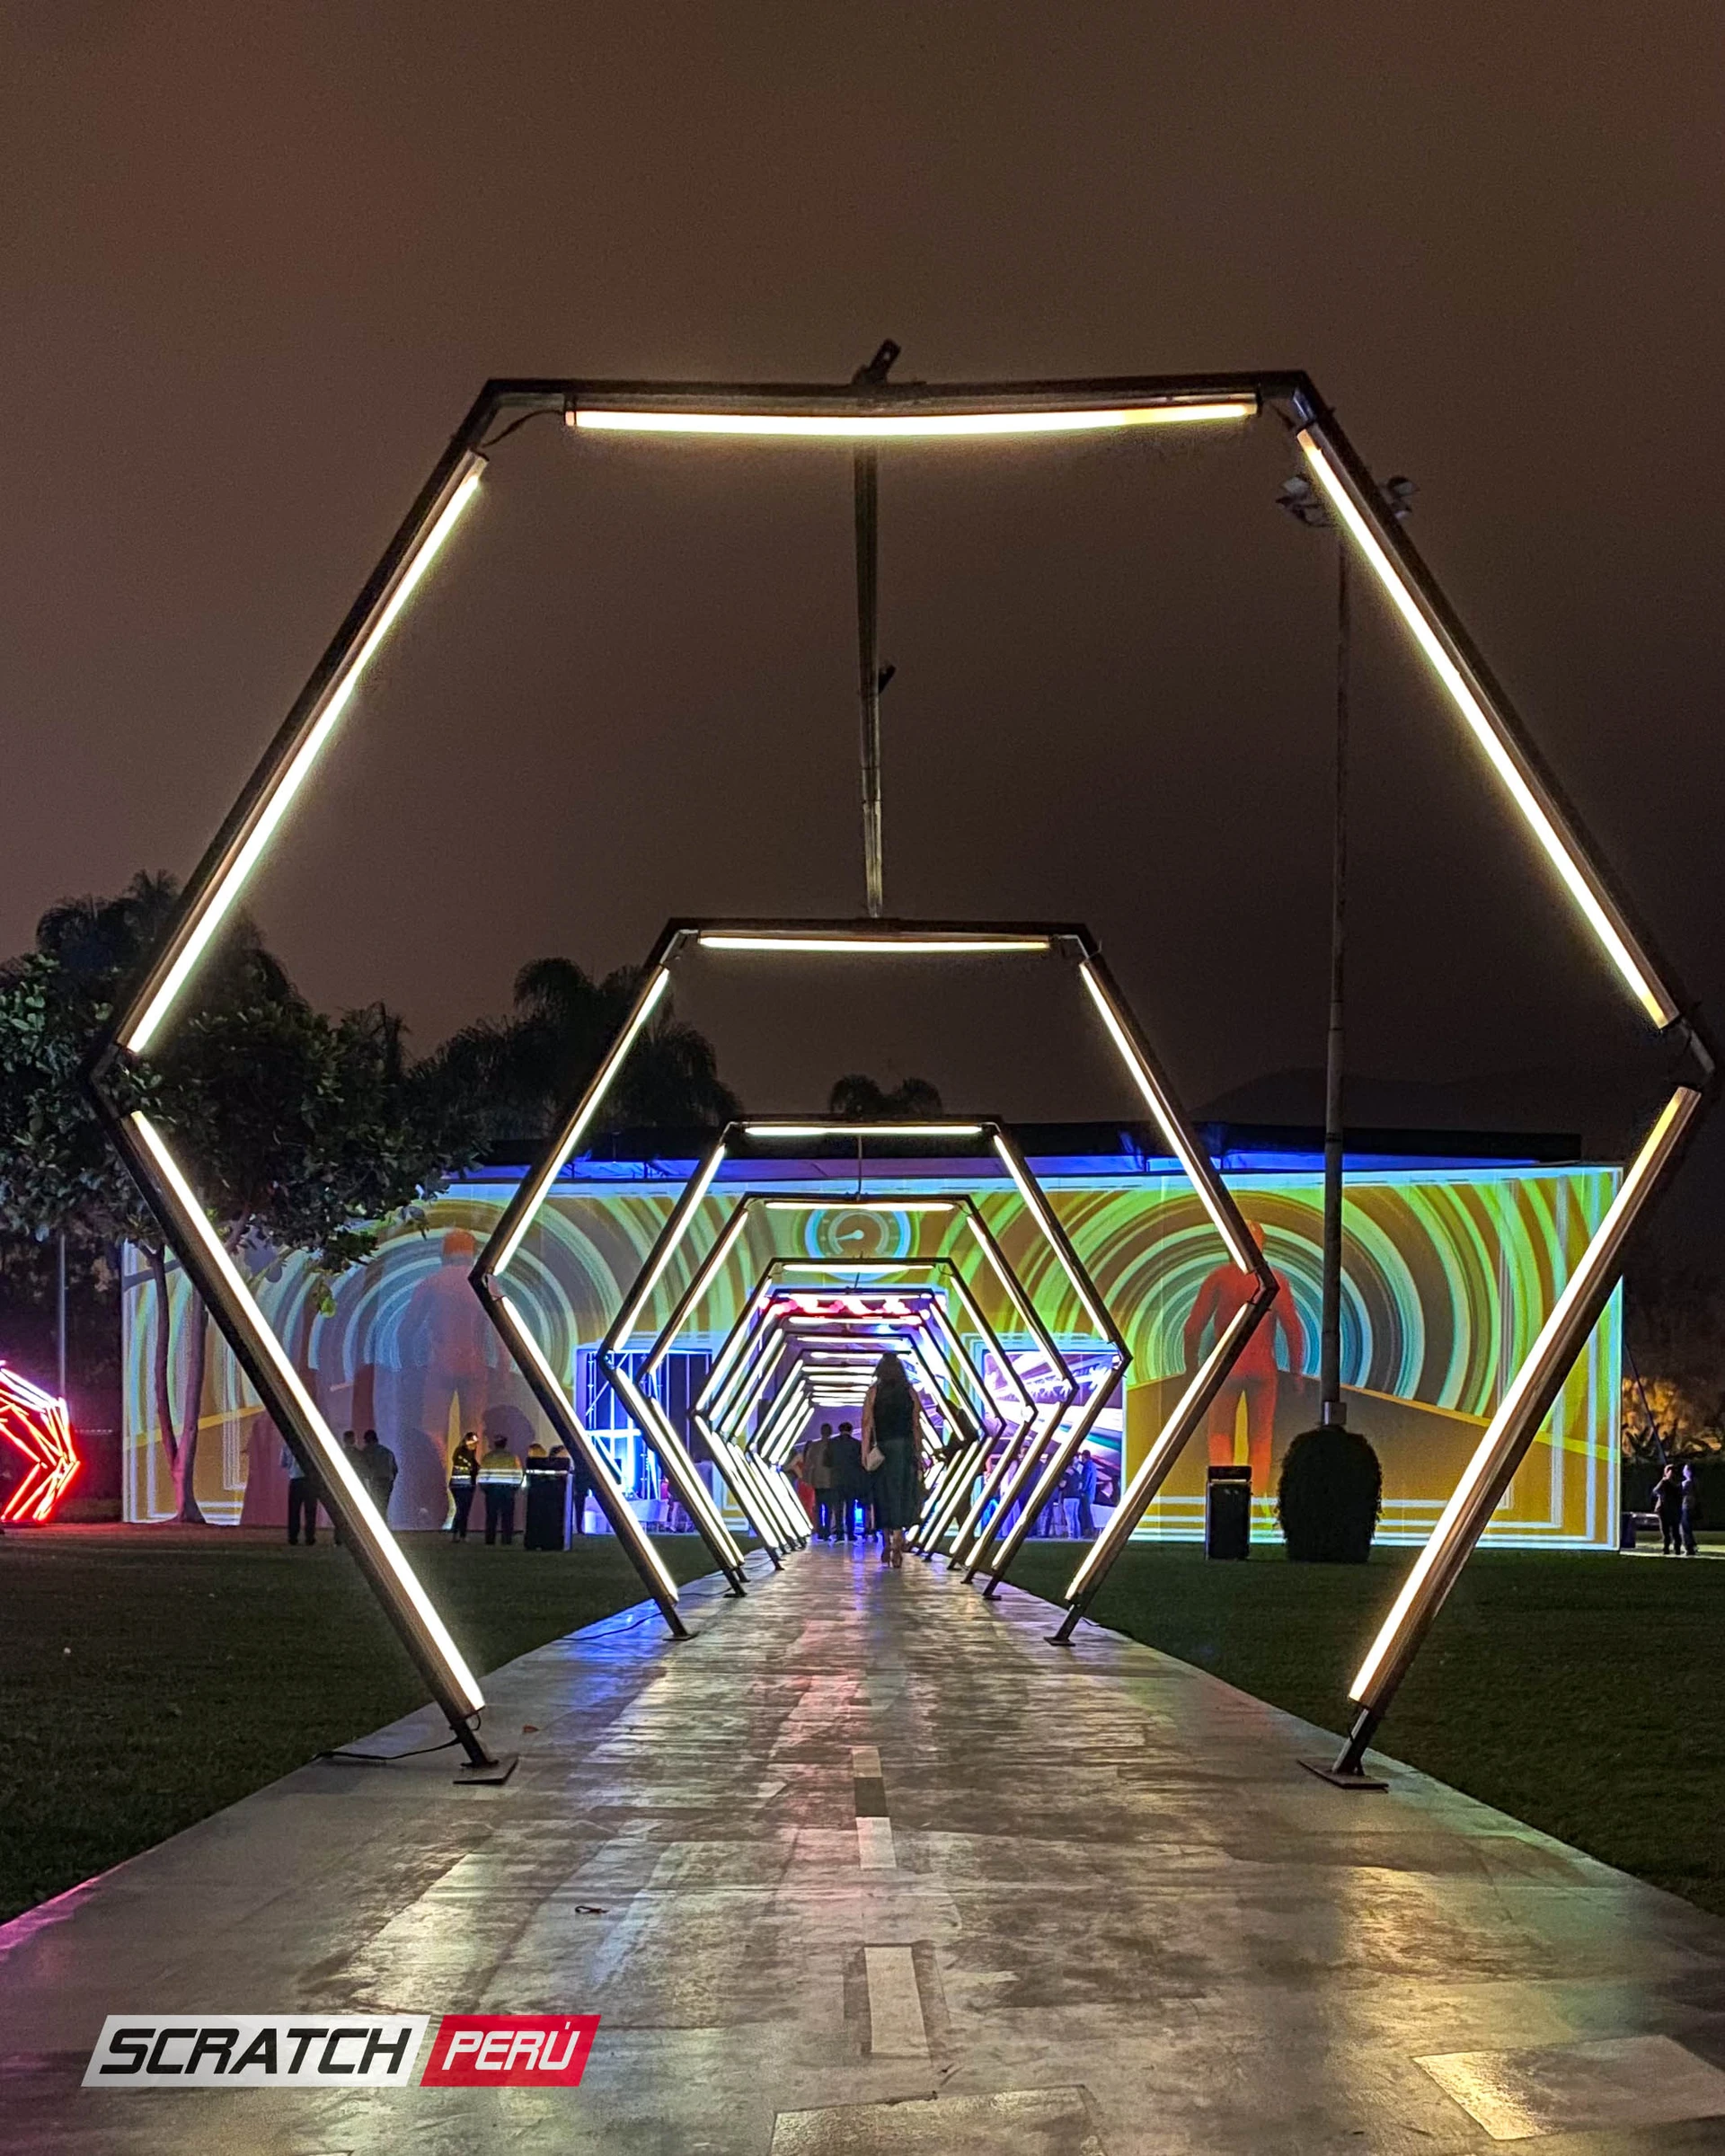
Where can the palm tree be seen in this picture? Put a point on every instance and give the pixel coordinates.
(860, 1098)
(530, 1068)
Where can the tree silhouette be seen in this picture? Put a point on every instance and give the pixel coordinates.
(526, 1070)
(860, 1098)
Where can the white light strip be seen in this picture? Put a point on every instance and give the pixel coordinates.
(1557, 846)
(335, 1463)
(767, 1342)
(704, 1280)
(599, 1462)
(222, 896)
(865, 1266)
(859, 1204)
(877, 946)
(739, 1338)
(679, 1468)
(1009, 1285)
(1599, 1254)
(910, 426)
(863, 1130)
(1009, 1369)
(1051, 1235)
(687, 1207)
(601, 1085)
(1198, 1171)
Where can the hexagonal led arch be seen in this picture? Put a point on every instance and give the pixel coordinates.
(678, 1228)
(723, 1379)
(745, 1363)
(849, 941)
(954, 1209)
(882, 414)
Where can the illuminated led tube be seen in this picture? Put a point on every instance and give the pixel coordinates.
(862, 1130)
(500, 1255)
(361, 1514)
(856, 1204)
(709, 1271)
(1053, 1234)
(604, 1475)
(1523, 1407)
(1171, 1440)
(670, 1241)
(892, 426)
(1212, 1194)
(681, 1470)
(1064, 1453)
(1450, 665)
(766, 1337)
(878, 945)
(139, 1028)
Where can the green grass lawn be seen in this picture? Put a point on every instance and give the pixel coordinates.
(1580, 1694)
(150, 1677)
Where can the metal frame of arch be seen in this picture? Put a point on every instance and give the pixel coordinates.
(880, 414)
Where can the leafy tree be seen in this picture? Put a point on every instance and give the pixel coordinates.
(529, 1068)
(859, 1098)
(299, 1131)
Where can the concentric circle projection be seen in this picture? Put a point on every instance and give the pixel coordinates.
(1448, 1273)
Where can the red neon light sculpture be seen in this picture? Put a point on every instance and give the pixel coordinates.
(37, 1425)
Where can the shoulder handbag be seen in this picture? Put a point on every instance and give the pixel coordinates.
(873, 1458)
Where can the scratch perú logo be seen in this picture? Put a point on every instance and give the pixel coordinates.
(255, 2051)
(339, 2051)
(517, 2051)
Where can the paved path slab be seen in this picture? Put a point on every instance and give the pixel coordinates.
(867, 1866)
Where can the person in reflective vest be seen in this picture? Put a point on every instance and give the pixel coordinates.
(500, 1476)
(463, 1480)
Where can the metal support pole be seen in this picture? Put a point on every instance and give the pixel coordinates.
(868, 655)
(1331, 1409)
(59, 1324)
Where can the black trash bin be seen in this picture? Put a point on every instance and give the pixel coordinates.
(548, 1505)
(1227, 1512)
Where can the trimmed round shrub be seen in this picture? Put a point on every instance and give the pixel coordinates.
(1329, 1498)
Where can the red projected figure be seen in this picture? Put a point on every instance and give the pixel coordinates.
(1256, 1375)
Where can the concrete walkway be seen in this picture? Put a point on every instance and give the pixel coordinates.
(868, 1866)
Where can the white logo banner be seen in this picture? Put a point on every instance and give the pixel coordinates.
(256, 2051)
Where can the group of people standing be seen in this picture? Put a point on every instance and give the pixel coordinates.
(1677, 1501)
(556, 1488)
(371, 1460)
(855, 1486)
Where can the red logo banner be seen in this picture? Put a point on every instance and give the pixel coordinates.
(509, 2051)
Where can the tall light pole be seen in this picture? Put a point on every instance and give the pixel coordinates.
(1301, 499)
(870, 676)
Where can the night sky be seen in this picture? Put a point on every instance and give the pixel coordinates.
(259, 261)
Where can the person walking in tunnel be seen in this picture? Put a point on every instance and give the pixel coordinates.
(892, 1426)
(850, 1484)
(819, 1458)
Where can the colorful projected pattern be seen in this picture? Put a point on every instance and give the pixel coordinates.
(1447, 1276)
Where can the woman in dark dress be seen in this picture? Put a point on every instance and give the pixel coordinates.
(891, 1426)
